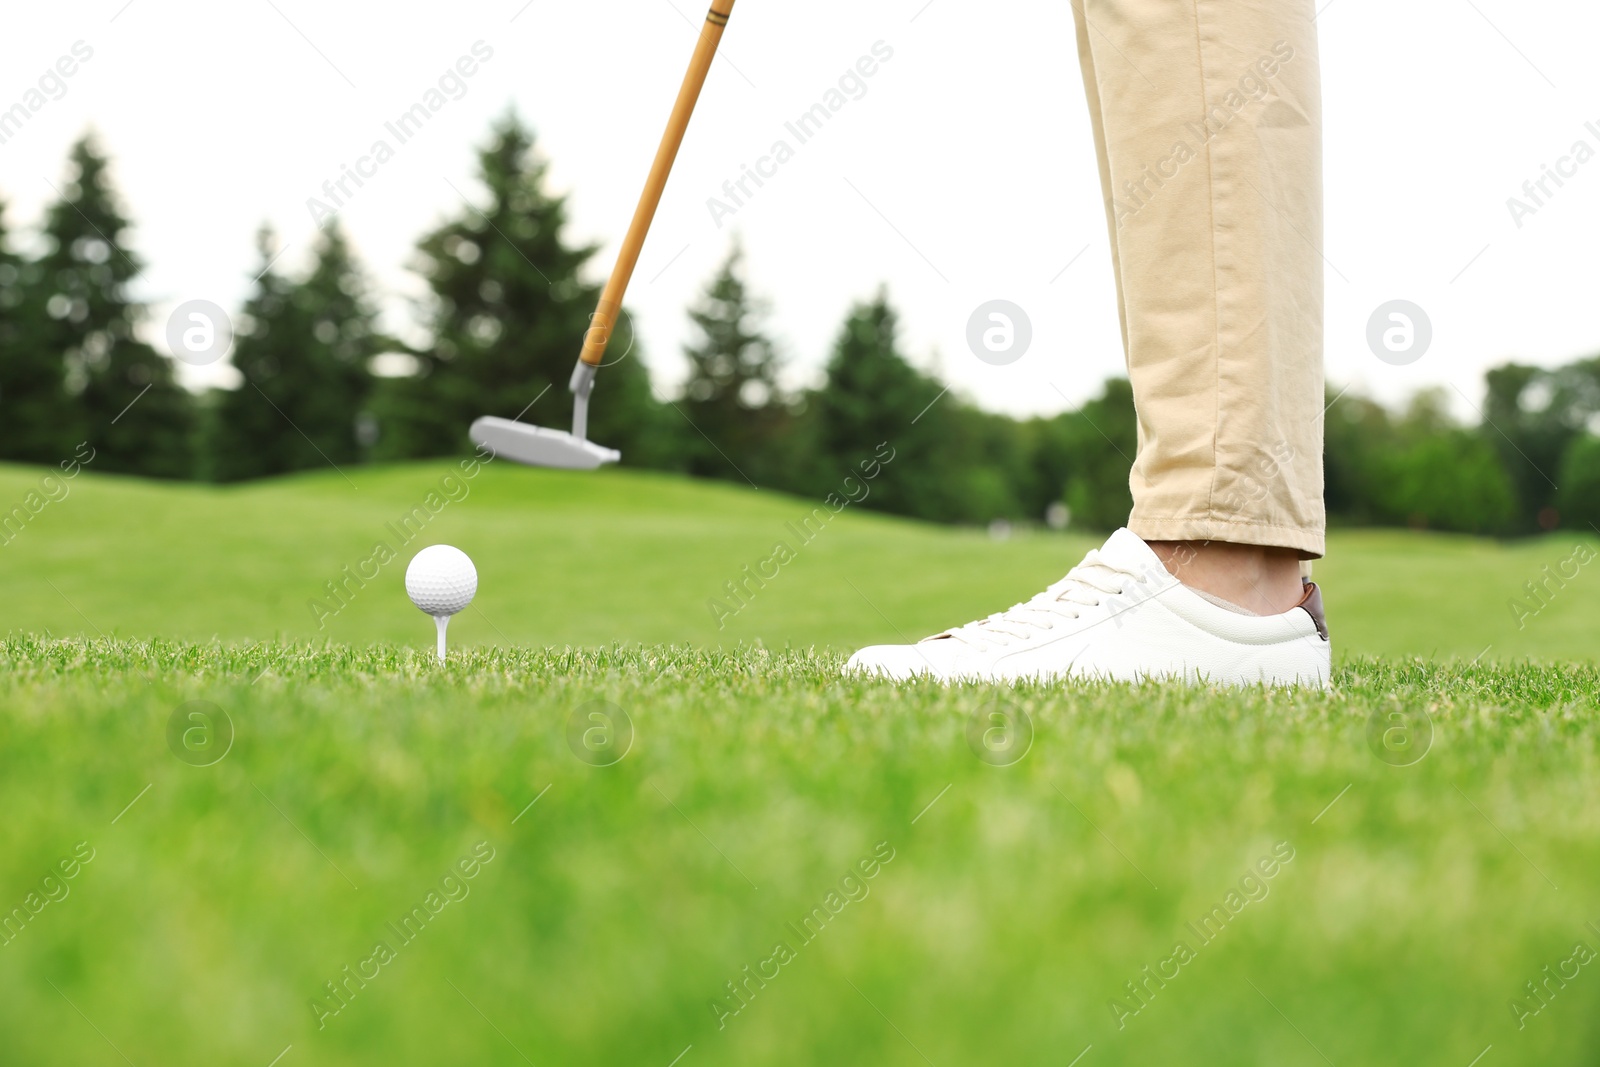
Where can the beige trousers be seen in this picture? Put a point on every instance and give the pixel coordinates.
(1207, 118)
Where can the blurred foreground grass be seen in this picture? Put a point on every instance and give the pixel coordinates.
(1010, 901)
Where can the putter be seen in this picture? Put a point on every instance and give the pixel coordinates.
(541, 447)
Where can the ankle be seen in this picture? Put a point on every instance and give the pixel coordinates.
(1255, 577)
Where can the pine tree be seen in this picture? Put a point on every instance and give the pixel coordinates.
(129, 408)
(948, 461)
(508, 318)
(732, 397)
(243, 435)
(36, 414)
(335, 300)
(873, 395)
(303, 351)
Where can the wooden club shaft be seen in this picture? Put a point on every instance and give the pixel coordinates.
(605, 316)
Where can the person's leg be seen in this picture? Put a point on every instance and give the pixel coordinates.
(1207, 120)
(1254, 577)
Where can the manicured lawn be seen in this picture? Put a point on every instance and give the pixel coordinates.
(1006, 907)
(592, 559)
(211, 805)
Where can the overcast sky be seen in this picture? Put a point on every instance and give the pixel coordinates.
(965, 172)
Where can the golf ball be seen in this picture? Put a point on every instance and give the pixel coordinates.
(441, 580)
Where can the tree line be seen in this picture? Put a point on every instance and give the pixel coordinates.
(508, 307)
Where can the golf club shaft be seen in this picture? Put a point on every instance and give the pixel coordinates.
(605, 316)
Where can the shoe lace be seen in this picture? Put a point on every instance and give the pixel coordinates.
(1084, 586)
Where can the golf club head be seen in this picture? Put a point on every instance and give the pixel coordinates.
(539, 447)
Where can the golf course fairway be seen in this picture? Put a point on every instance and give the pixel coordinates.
(237, 830)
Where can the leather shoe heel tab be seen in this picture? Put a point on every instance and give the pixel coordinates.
(1312, 603)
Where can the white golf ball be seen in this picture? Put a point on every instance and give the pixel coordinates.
(441, 580)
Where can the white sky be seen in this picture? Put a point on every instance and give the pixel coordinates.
(973, 141)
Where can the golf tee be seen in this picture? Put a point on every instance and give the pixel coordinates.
(441, 621)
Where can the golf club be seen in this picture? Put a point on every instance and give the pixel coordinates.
(541, 447)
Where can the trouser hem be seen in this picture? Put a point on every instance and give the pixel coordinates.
(1311, 544)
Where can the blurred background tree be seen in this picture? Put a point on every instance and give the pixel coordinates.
(1436, 474)
(35, 409)
(507, 316)
(952, 463)
(1097, 444)
(1579, 496)
(304, 350)
(127, 404)
(870, 395)
(739, 420)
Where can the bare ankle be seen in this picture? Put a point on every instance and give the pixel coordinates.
(1255, 577)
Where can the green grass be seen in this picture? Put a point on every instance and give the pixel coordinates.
(621, 899)
(592, 559)
(1018, 902)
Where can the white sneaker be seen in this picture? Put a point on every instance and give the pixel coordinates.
(1120, 616)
